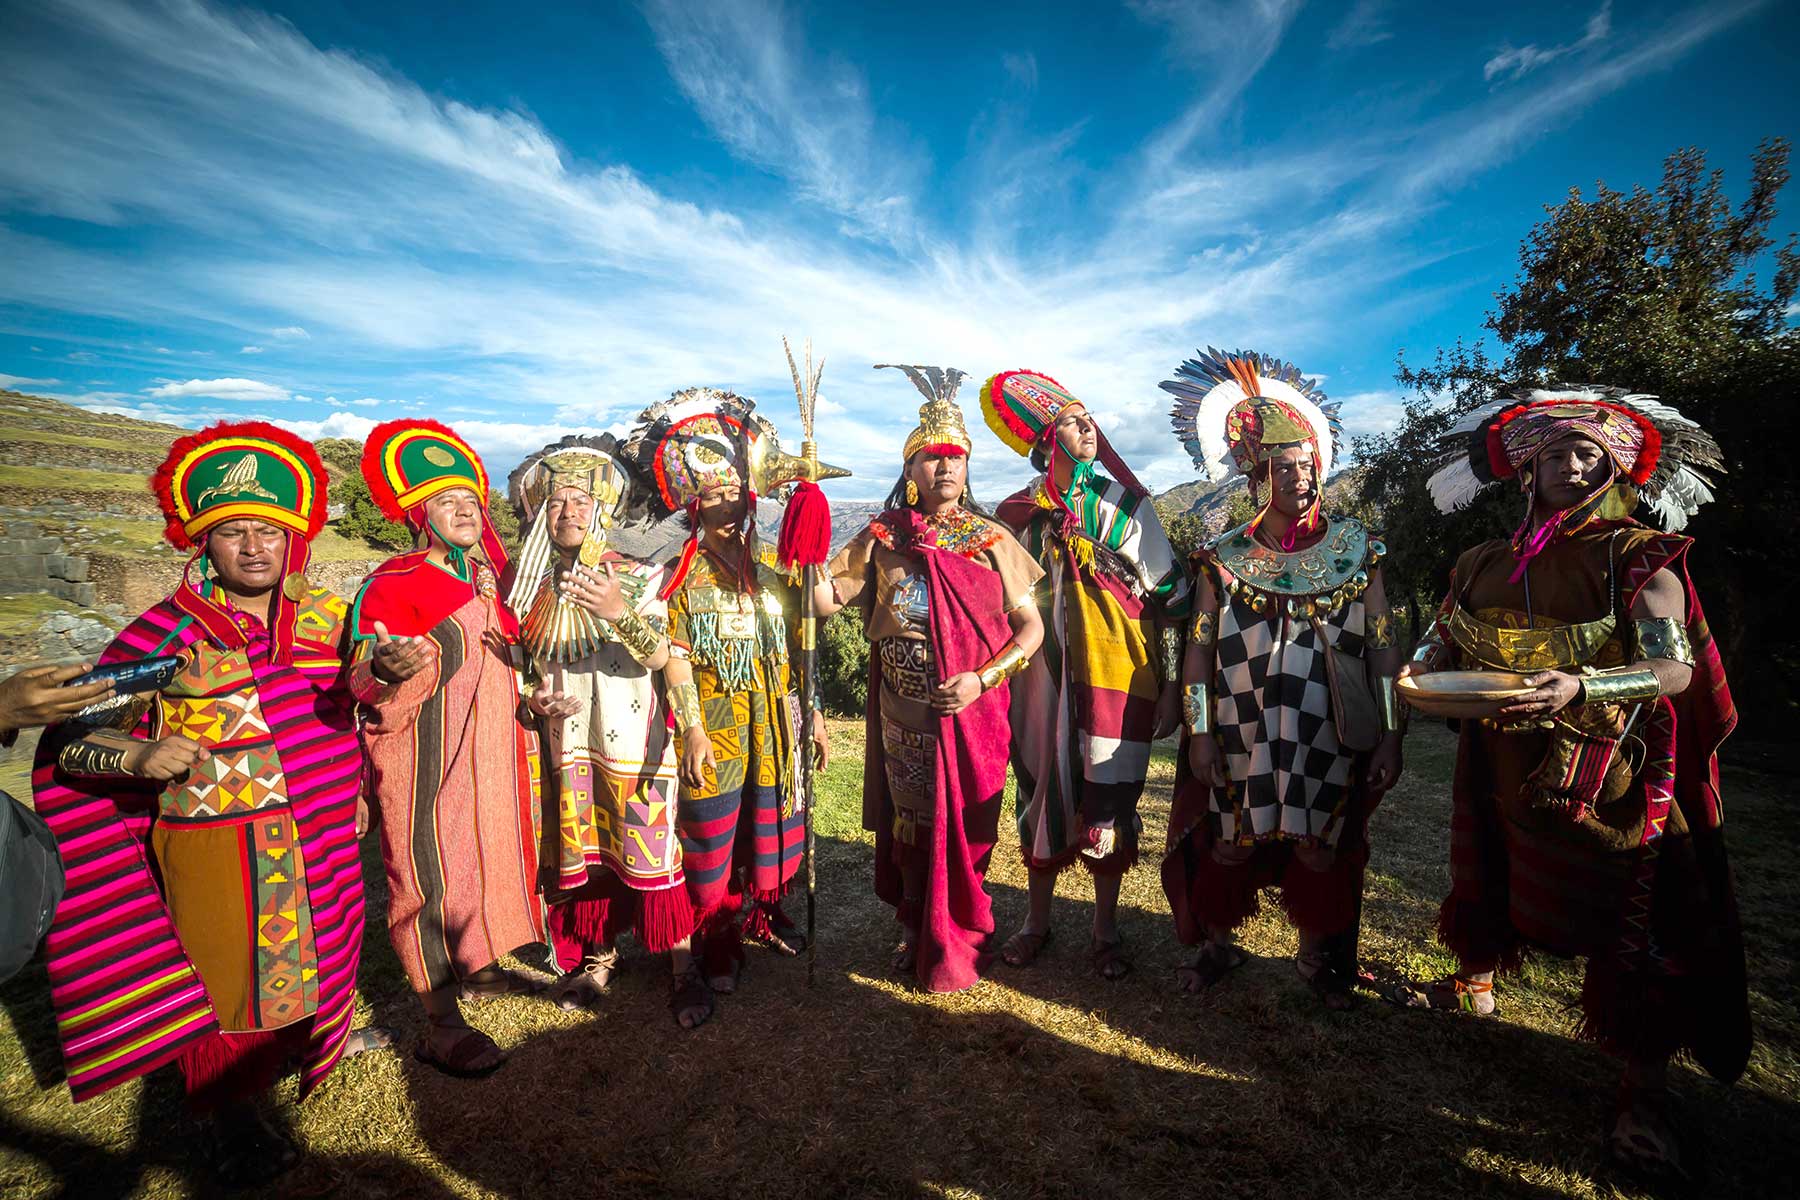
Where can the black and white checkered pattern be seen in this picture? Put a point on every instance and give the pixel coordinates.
(1288, 774)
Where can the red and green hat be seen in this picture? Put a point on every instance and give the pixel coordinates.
(407, 462)
(235, 470)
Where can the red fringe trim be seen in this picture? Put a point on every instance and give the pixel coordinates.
(1324, 902)
(224, 1069)
(1224, 897)
(665, 918)
(1481, 941)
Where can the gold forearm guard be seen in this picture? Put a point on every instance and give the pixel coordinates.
(1663, 637)
(91, 758)
(1172, 645)
(640, 638)
(1196, 708)
(1379, 630)
(1003, 666)
(1625, 685)
(1389, 704)
(1206, 628)
(684, 702)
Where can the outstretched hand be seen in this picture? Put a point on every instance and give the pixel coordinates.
(546, 702)
(39, 695)
(398, 659)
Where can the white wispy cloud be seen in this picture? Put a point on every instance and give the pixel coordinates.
(220, 389)
(15, 382)
(466, 250)
(1513, 61)
(251, 350)
(1366, 24)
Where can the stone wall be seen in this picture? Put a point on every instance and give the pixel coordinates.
(31, 562)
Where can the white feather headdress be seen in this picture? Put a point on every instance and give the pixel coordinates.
(1207, 387)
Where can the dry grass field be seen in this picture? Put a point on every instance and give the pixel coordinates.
(1043, 1082)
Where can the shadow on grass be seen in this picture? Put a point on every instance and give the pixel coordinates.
(1041, 1082)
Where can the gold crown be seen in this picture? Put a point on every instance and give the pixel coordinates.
(940, 424)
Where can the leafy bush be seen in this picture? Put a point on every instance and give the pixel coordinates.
(844, 664)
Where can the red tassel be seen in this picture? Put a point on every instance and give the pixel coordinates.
(805, 528)
(666, 917)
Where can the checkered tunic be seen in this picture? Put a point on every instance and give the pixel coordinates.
(1289, 778)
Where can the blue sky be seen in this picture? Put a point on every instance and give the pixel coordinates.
(526, 220)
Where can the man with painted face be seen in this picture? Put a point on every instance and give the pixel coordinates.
(214, 906)
(1109, 680)
(451, 755)
(731, 621)
(1291, 731)
(594, 624)
(1587, 816)
(946, 600)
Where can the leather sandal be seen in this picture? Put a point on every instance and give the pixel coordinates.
(1022, 948)
(1108, 958)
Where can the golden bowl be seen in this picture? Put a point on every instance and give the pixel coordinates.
(1462, 693)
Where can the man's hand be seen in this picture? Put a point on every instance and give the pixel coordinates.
(363, 820)
(820, 742)
(696, 757)
(1168, 710)
(398, 659)
(1552, 691)
(168, 760)
(1206, 760)
(956, 693)
(1385, 765)
(36, 696)
(597, 591)
(1413, 668)
(555, 705)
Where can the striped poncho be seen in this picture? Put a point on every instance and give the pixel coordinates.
(1084, 712)
(228, 903)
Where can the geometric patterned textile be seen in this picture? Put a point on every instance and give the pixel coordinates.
(1289, 776)
(287, 960)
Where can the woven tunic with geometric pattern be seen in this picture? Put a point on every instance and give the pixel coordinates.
(1289, 776)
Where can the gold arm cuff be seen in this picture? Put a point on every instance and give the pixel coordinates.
(1003, 666)
(1197, 708)
(1625, 685)
(1379, 631)
(1663, 637)
(1206, 628)
(640, 638)
(1172, 645)
(684, 702)
(87, 758)
(1388, 702)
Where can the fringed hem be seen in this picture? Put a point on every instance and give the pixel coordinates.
(665, 918)
(1481, 940)
(223, 1069)
(1633, 1015)
(1058, 864)
(1324, 902)
(1114, 864)
(1224, 897)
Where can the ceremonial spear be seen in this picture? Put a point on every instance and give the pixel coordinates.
(806, 543)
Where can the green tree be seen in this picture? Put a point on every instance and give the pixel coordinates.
(1675, 292)
(844, 664)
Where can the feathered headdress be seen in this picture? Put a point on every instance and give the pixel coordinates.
(1235, 410)
(1660, 455)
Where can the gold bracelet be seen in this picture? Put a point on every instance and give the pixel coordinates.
(684, 702)
(1378, 631)
(87, 758)
(1663, 637)
(1003, 666)
(1196, 708)
(1206, 628)
(1172, 645)
(1388, 701)
(640, 638)
(1622, 686)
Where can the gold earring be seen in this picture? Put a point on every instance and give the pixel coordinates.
(912, 492)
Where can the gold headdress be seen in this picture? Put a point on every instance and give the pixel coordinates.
(940, 420)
